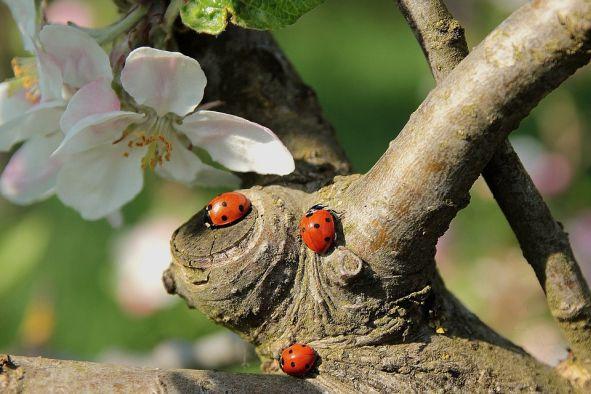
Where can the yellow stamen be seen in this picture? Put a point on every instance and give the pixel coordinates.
(159, 147)
(25, 78)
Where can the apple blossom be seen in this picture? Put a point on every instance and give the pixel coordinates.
(32, 103)
(105, 149)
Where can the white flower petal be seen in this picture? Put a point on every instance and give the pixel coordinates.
(49, 76)
(93, 98)
(24, 13)
(31, 172)
(184, 166)
(100, 181)
(165, 81)
(238, 144)
(41, 119)
(80, 57)
(12, 103)
(95, 130)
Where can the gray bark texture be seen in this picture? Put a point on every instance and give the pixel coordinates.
(375, 308)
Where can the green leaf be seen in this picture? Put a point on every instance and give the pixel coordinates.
(211, 16)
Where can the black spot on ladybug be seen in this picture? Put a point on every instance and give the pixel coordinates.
(303, 345)
(241, 207)
(327, 220)
(292, 364)
(290, 351)
(224, 218)
(224, 204)
(307, 366)
(316, 225)
(209, 207)
(327, 239)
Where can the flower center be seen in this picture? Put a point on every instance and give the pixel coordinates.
(25, 78)
(154, 134)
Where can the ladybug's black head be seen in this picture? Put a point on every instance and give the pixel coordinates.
(314, 208)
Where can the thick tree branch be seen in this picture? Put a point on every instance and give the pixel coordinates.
(396, 213)
(38, 375)
(377, 294)
(544, 243)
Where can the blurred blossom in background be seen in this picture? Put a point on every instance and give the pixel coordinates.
(64, 11)
(142, 253)
(551, 172)
(83, 290)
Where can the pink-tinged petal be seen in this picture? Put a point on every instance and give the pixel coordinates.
(12, 103)
(24, 13)
(64, 11)
(95, 130)
(237, 143)
(31, 172)
(80, 57)
(40, 120)
(165, 81)
(185, 167)
(93, 98)
(100, 181)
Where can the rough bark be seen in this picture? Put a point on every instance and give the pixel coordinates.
(544, 243)
(41, 375)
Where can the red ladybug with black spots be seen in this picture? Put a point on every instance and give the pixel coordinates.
(226, 209)
(297, 360)
(317, 229)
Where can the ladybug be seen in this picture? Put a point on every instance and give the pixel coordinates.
(297, 360)
(317, 229)
(226, 209)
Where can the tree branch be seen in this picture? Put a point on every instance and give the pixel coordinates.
(544, 243)
(37, 375)
(407, 200)
(546, 247)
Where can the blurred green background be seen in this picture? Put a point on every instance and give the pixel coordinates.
(84, 290)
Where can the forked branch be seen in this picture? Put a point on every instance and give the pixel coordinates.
(544, 243)
(407, 200)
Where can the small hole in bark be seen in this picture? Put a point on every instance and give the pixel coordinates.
(224, 204)
(316, 225)
(224, 218)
